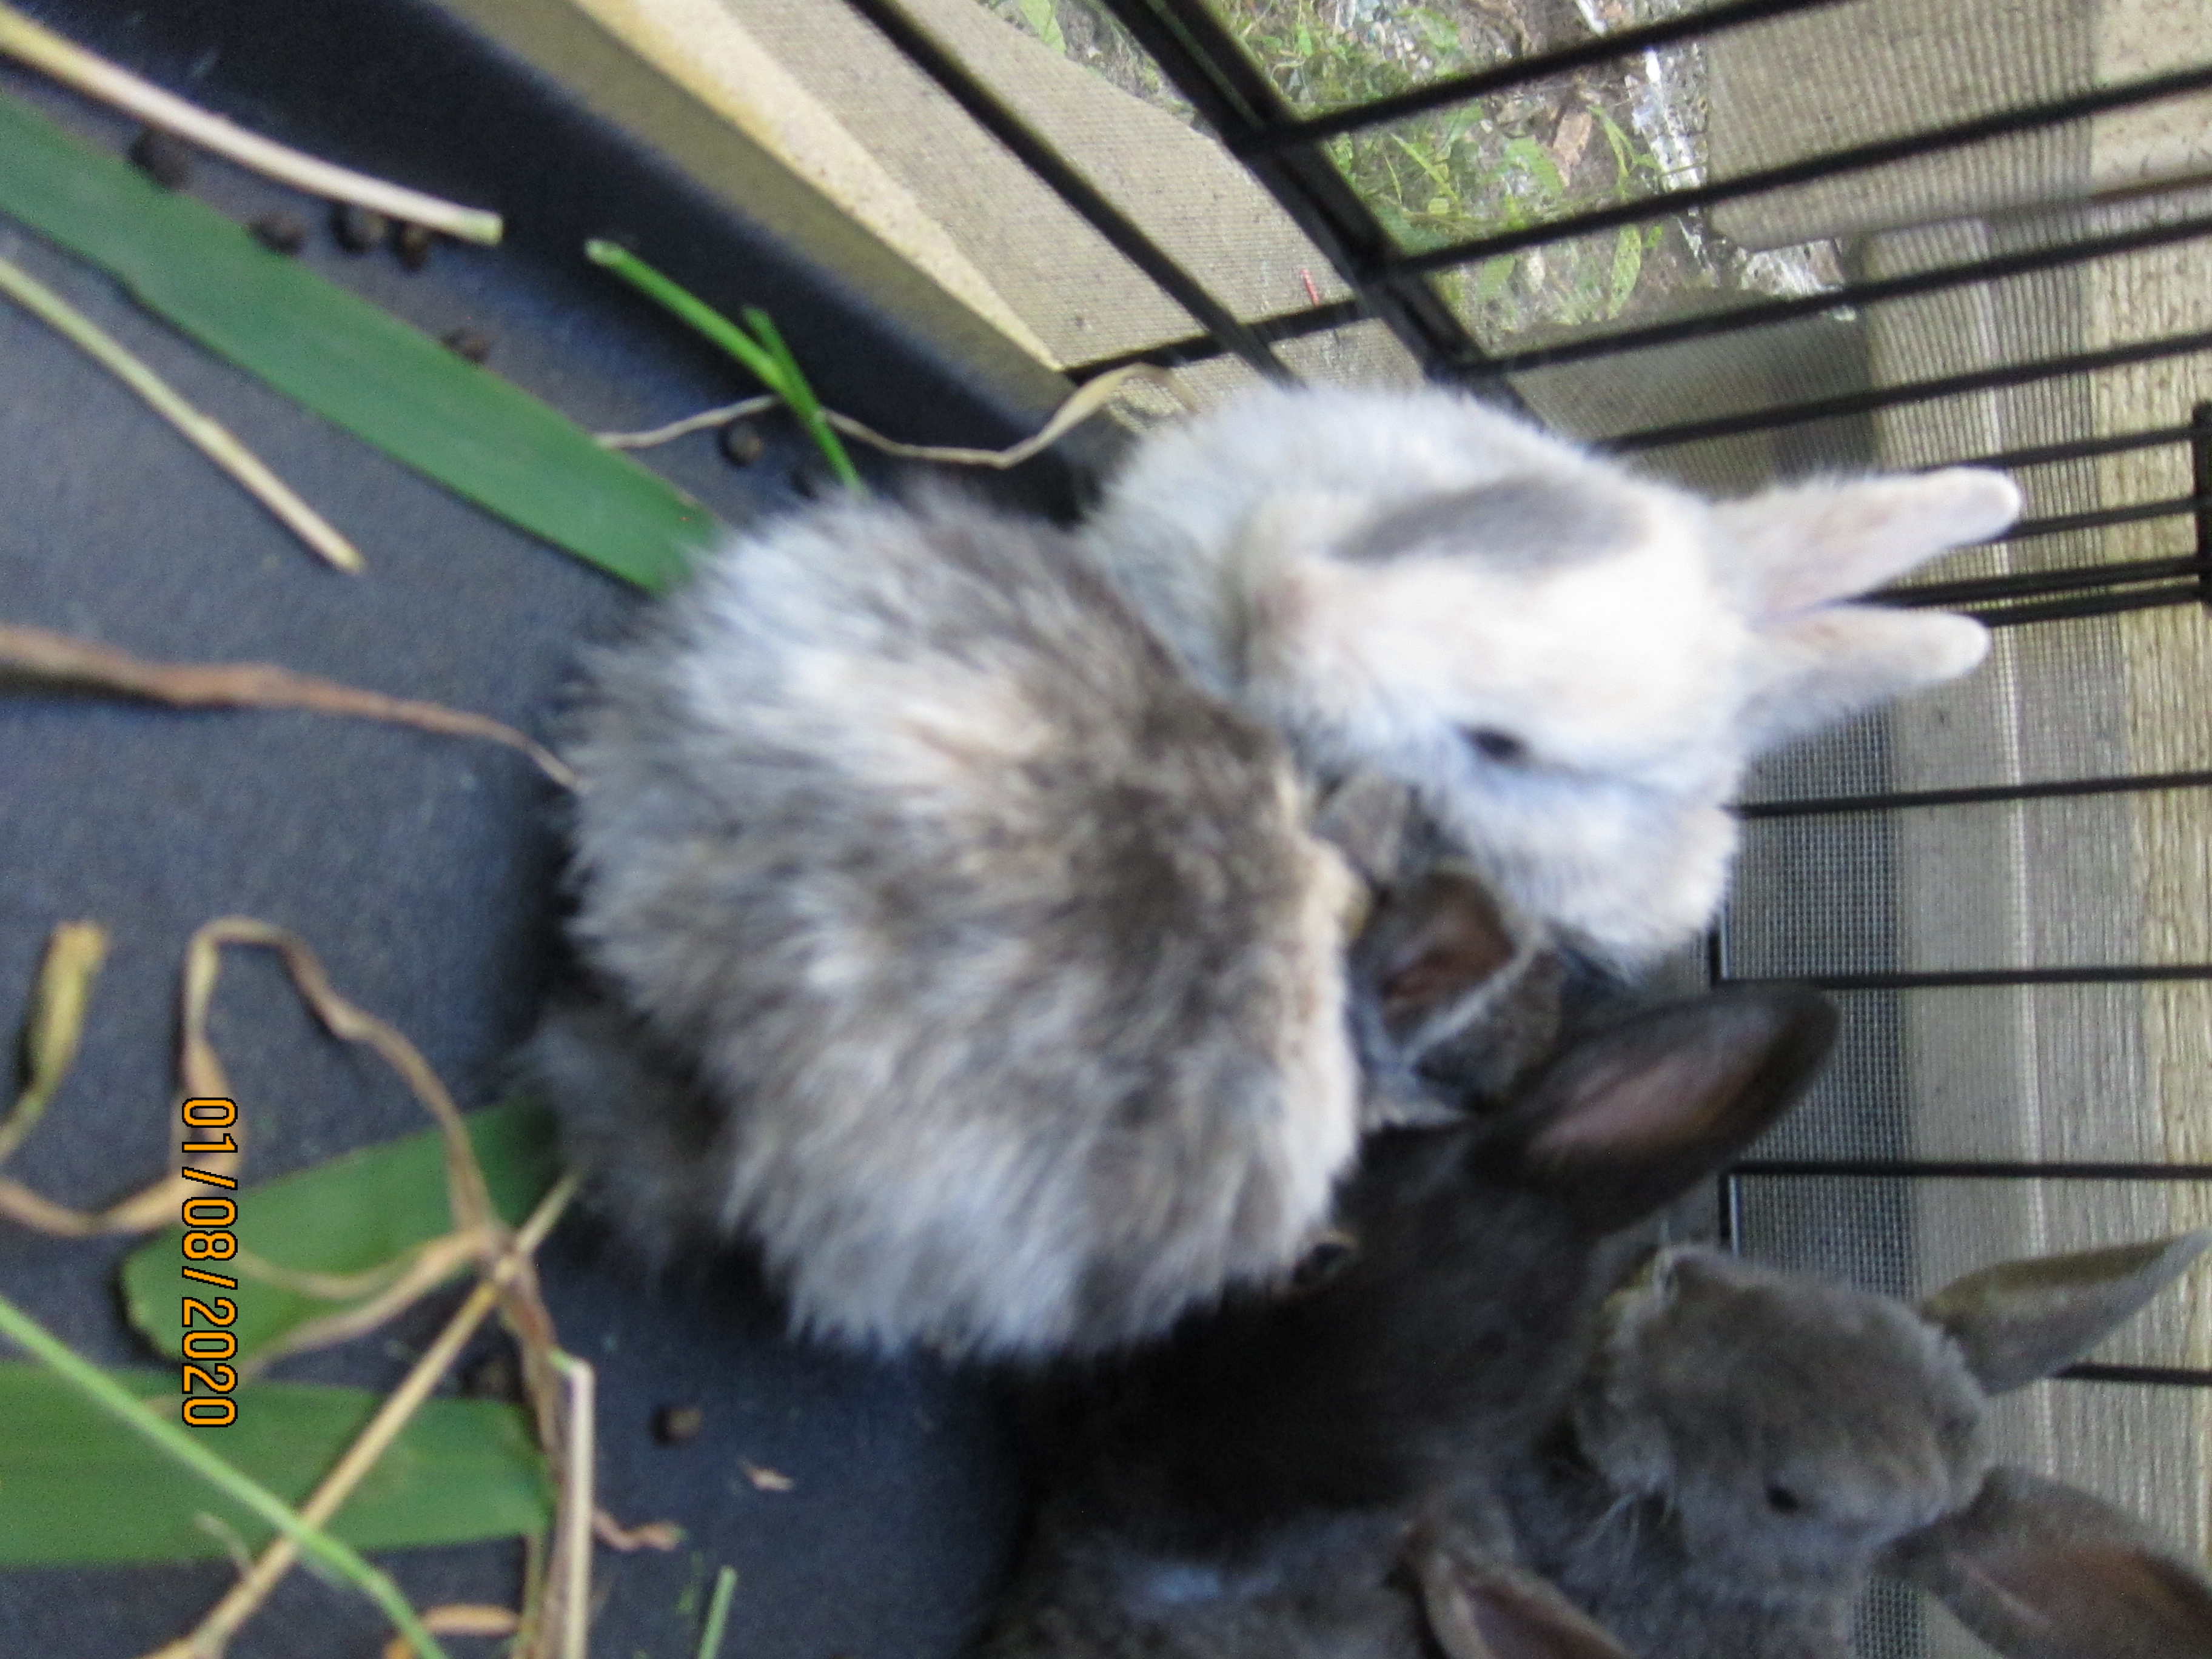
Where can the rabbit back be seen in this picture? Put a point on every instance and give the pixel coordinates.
(1001, 950)
(1319, 1592)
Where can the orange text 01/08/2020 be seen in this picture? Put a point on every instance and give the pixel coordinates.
(208, 1219)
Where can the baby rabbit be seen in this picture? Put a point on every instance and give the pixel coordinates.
(1573, 665)
(953, 945)
(1260, 1483)
(1746, 1446)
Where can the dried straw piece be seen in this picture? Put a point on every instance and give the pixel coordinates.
(653, 1535)
(73, 953)
(459, 1619)
(201, 1074)
(703, 421)
(65, 660)
(423, 1269)
(95, 77)
(209, 436)
(569, 1579)
(1085, 401)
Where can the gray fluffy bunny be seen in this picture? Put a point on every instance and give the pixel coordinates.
(1571, 664)
(1746, 1446)
(1263, 1483)
(951, 944)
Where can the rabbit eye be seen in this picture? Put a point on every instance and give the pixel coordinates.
(1501, 747)
(1329, 1256)
(1783, 1501)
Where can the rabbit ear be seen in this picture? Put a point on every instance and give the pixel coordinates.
(2022, 1320)
(1629, 1119)
(1369, 818)
(1808, 672)
(1480, 1607)
(1429, 945)
(1789, 550)
(2039, 1570)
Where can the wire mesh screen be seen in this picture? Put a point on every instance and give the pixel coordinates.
(1734, 242)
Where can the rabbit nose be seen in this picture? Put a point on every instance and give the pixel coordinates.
(1590, 981)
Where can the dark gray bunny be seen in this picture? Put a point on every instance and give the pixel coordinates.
(951, 945)
(1748, 1446)
(1265, 1482)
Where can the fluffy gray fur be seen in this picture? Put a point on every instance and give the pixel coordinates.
(961, 951)
(1747, 1447)
(1571, 664)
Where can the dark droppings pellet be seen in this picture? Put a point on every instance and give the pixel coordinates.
(472, 343)
(495, 1376)
(673, 1425)
(741, 443)
(1328, 1257)
(281, 233)
(167, 161)
(412, 244)
(359, 229)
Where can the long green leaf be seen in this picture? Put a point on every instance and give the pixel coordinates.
(386, 382)
(77, 1486)
(346, 1216)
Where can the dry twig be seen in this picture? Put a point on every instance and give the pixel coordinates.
(651, 1535)
(73, 953)
(459, 1619)
(201, 1074)
(1085, 401)
(95, 77)
(64, 659)
(209, 436)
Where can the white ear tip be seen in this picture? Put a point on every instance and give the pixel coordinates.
(1976, 501)
(1955, 645)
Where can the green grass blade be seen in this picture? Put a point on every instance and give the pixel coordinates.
(77, 1487)
(688, 308)
(353, 1213)
(718, 1615)
(386, 382)
(804, 403)
(101, 1392)
(768, 358)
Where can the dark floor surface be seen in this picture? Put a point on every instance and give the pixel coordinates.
(423, 870)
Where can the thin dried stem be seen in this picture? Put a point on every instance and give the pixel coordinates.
(651, 1536)
(435, 1263)
(210, 437)
(354, 1286)
(459, 1619)
(705, 419)
(66, 659)
(95, 77)
(201, 1074)
(1085, 401)
(73, 953)
(564, 1628)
